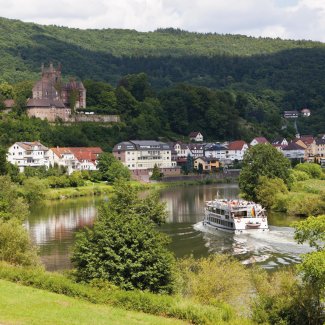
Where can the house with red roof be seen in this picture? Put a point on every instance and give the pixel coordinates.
(259, 140)
(236, 150)
(75, 158)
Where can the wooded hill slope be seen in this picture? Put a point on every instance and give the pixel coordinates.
(285, 74)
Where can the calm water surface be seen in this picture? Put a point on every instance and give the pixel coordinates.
(52, 227)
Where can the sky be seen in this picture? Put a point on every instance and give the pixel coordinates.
(289, 19)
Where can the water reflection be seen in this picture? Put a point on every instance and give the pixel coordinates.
(53, 226)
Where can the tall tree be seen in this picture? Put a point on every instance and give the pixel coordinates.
(261, 160)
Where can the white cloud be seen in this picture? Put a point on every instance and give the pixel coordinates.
(297, 19)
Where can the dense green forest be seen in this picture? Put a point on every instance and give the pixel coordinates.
(170, 82)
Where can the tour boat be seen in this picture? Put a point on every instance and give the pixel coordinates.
(236, 216)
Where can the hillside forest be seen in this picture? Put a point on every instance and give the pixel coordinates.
(164, 84)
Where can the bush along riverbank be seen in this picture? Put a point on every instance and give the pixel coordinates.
(267, 178)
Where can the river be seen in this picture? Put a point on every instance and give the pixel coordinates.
(52, 226)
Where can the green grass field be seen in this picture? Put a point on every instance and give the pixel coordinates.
(25, 305)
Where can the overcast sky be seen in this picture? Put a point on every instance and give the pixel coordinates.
(294, 19)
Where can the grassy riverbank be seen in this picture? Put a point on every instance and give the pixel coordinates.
(87, 304)
(305, 198)
(96, 189)
(24, 305)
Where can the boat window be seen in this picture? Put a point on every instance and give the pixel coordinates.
(240, 214)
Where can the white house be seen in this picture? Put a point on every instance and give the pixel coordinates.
(197, 150)
(196, 136)
(305, 112)
(182, 150)
(259, 140)
(294, 151)
(75, 158)
(216, 150)
(236, 150)
(28, 154)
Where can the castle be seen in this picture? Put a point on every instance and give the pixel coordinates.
(52, 99)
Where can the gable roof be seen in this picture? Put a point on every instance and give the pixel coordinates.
(293, 146)
(81, 153)
(236, 145)
(32, 145)
(44, 102)
(260, 140)
(194, 134)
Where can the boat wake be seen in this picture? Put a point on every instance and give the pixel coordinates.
(269, 249)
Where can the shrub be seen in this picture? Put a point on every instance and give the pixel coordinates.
(268, 189)
(298, 175)
(33, 189)
(15, 244)
(207, 280)
(301, 203)
(312, 169)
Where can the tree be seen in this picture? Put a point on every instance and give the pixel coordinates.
(189, 164)
(3, 161)
(124, 246)
(261, 160)
(156, 173)
(112, 169)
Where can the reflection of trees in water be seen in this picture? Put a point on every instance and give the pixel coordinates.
(186, 204)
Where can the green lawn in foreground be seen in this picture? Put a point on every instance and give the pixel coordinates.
(25, 305)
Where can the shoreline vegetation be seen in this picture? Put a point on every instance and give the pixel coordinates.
(97, 189)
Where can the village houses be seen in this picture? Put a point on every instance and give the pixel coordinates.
(35, 154)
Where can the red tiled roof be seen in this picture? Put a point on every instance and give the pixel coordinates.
(81, 153)
(86, 153)
(236, 145)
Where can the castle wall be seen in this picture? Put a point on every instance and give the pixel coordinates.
(64, 114)
(50, 114)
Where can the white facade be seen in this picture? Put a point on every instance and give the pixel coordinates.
(28, 154)
(196, 136)
(216, 151)
(144, 155)
(75, 159)
(236, 152)
(182, 150)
